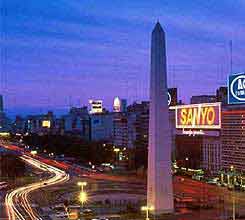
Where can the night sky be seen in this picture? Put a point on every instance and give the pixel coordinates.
(60, 53)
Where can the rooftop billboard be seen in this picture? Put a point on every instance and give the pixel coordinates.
(46, 124)
(236, 89)
(172, 97)
(199, 116)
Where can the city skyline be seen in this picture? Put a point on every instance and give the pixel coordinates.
(122, 110)
(95, 47)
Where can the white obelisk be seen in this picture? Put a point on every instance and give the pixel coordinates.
(159, 183)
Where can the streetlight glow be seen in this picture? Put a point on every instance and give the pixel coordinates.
(83, 194)
(82, 183)
(147, 209)
(83, 197)
(116, 150)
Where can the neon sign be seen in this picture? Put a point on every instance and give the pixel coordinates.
(193, 132)
(46, 124)
(199, 116)
(169, 99)
(172, 96)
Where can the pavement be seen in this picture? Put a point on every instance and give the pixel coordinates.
(102, 186)
(19, 205)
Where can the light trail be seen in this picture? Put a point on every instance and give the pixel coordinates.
(18, 204)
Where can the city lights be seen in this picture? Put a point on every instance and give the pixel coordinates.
(147, 209)
(199, 116)
(82, 194)
(46, 124)
(103, 117)
(82, 197)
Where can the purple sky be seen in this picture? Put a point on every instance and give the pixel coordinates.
(57, 53)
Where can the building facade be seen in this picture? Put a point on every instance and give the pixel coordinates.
(76, 122)
(101, 127)
(120, 129)
(233, 138)
(211, 154)
(203, 99)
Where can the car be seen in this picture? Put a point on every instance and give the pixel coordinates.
(87, 211)
(212, 182)
(60, 215)
(230, 187)
(243, 188)
(218, 184)
(223, 184)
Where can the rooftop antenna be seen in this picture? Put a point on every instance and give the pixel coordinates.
(231, 57)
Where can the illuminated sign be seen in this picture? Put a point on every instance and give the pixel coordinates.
(199, 116)
(95, 106)
(46, 124)
(172, 96)
(4, 134)
(117, 105)
(169, 99)
(193, 132)
(236, 89)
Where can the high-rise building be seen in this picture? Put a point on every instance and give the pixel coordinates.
(120, 129)
(131, 127)
(95, 106)
(5, 122)
(40, 124)
(19, 124)
(123, 105)
(173, 96)
(77, 122)
(159, 178)
(188, 151)
(101, 127)
(203, 99)
(1, 103)
(211, 154)
(233, 137)
(124, 131)
(119, 105)
(141, 124)
(221, 95)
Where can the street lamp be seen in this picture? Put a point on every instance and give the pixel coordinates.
(82, 195)
(116, 150)
(82, 184)
(147, 209)
(233, 194)
(186, 159)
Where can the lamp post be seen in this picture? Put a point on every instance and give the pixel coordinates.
(82, 195)
(147, 209)
(233, 195)
(116, 150)
(222, 178)
(186, 164)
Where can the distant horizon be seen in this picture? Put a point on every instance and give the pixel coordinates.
(24, 111)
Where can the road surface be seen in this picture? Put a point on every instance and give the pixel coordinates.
(17, 202)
